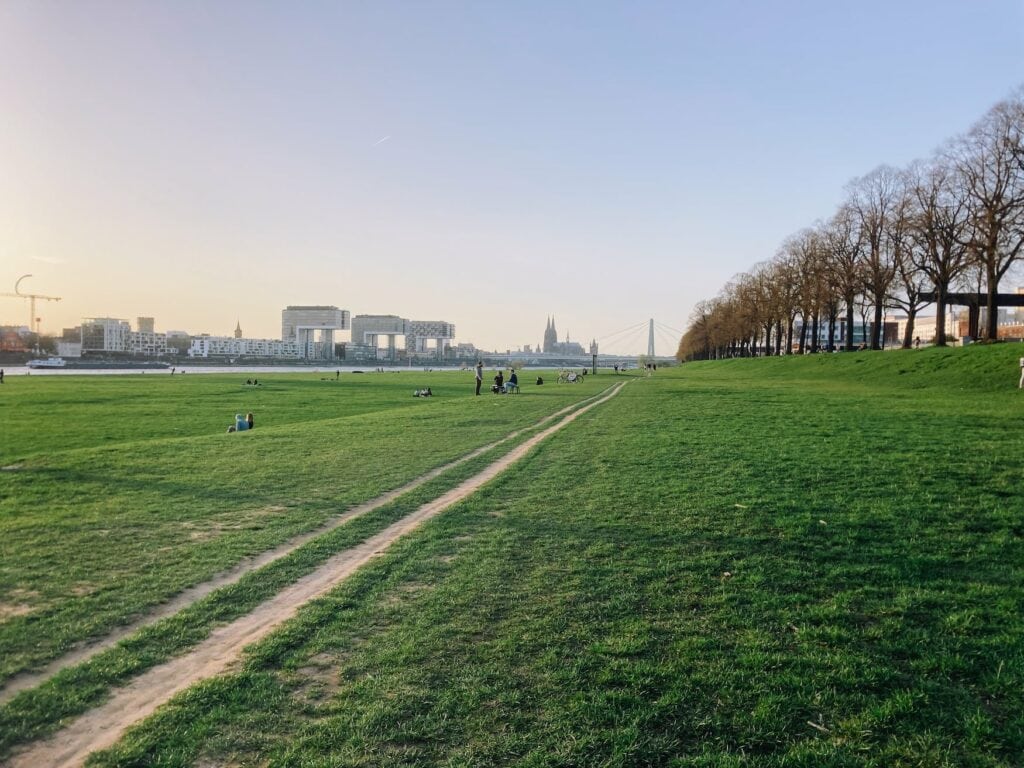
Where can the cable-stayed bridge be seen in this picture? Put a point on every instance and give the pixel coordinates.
(648, 337)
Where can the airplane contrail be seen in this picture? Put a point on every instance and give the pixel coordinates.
(381, 141)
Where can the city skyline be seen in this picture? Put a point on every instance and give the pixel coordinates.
(492, 166)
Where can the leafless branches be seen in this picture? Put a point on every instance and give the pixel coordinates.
(896, 235)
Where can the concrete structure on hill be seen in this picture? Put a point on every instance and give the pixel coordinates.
(312, 328)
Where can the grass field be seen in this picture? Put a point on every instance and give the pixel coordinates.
(780, 562)
(119, 492)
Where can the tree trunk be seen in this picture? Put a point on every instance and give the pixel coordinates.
(940, 315)
(908, 334)
(831, 347)
(876, 330)
(815, 321)
(849, 325)
(992, 321)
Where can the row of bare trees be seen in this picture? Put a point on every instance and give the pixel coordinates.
(954, 220)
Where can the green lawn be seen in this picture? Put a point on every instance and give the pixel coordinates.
(120, 491)
(785, 562)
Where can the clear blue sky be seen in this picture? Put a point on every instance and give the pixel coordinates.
(484, 163)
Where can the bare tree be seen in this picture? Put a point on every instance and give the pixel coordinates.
(785, 270)
(938, 228)
(910, 279)
(991, 174)
(873, 200)
(841, 237)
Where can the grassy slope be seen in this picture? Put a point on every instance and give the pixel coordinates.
(106, 513)
(688, 576)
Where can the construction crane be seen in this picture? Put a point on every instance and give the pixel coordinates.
(33, 321)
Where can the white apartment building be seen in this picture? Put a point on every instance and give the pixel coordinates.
(147, 343)
(226, 346)
(110, 334)
(105, 334)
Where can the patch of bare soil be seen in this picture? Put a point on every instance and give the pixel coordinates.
(101, 727)
(19, 603)
(10, 610)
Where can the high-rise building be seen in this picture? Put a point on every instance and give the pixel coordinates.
(312, 328)
(105, 334)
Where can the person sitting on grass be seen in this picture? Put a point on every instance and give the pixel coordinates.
(240, 423)
(499, 384)
(249, 420)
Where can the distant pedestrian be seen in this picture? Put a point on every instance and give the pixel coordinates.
(917, 342)
(1, 375)
(479, 375)
(1022, 373)
(337, 375)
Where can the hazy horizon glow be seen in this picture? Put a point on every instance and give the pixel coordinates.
(485, 164)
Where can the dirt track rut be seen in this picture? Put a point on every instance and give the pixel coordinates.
(101, 727)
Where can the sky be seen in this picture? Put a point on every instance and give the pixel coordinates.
(488, 164)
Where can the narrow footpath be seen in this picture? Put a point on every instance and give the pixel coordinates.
(100, 728)
(28, 680)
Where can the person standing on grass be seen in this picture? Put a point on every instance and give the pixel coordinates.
(1, 375)
(479, 375)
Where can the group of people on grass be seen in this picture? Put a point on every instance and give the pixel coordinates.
(501, 386)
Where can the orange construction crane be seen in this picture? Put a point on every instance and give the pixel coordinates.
(33, 321)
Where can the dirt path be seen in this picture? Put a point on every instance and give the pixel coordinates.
(27, 680)
(101, 727)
